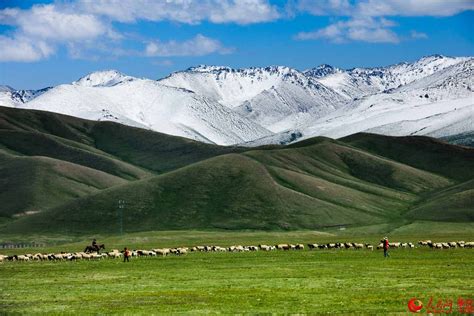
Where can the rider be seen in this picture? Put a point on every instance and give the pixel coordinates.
(94, 244)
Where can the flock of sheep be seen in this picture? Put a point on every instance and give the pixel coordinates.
(73, 256)
(446, 245)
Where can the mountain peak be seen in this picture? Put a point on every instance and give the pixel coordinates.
(220, 69)
(209, 68)
(104, 78)
(322, 71)
(6, 89)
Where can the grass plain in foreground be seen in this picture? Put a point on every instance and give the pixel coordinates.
(321, 281)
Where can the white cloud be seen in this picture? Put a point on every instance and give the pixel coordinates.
(21, 49)
(48, 22)
(38, 31)
(366, 17)
(418, 35)
(183, 11)
(358, 29)
(242, 11)
(198, 46)
(413, 7)
(324, 7)
(84, 26)
(378, 8)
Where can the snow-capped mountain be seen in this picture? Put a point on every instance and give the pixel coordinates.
(255, 106)
(106, 78)
(440, 104)
(148, 104)
(359, 82)
(277, 98)
(13, 98)
(321, 71)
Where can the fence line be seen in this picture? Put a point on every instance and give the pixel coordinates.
(20, 245)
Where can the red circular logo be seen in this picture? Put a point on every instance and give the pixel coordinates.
(415, 305)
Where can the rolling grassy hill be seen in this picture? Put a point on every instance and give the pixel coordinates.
(174, 183)
(33, 184)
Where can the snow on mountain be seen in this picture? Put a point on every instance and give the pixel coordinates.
(274, 105)
(359, 82)
(276, 97)
(449, 83)
(106, 78)
(6, 89)
(13, 98)
(440, 104)
(322, 71)
(149, 104)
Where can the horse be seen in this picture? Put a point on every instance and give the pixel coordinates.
(97, 248)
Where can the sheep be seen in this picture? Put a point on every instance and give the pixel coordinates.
(235, 248)
(162, 252)
(424, 242)
(264, 247)
(37, 257)
(95, 256)
(23, 258)
(312, 246)
(283, 247)
(358, 246)
(114, 254)
(181, 251)
(370, 247)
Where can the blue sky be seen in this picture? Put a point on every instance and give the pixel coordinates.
(45, 43)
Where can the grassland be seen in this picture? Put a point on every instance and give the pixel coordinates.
(314, 282)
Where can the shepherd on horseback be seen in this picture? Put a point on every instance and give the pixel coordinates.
(94, 247)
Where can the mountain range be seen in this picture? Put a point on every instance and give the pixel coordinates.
(274, 105)
(60, 174)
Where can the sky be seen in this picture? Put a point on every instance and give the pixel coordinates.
(45, 43)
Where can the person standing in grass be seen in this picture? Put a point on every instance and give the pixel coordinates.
(126, 255)
(385, 247)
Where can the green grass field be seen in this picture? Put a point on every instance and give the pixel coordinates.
(320, 281)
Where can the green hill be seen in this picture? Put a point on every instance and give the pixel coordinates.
(421, 152)
(174, 183)
(142, 148)
(34, 184)
(455, 203)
